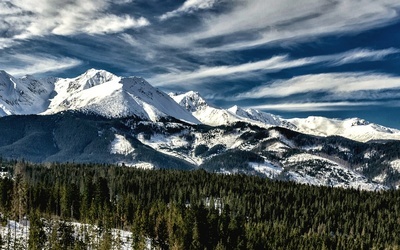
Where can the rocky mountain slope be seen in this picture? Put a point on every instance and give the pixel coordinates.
(100, 117)
(352, 128)
(240, 147)
(95, 91)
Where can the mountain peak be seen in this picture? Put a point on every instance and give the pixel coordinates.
(105, 94)
(192, 101)
(5, 77)
(256, 115)
(91, 78)
(3, 72)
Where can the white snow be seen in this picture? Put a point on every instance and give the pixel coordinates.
(353, 128)
(24, 96)
(103, 93)
(21, 230)
(168, 144)
(331, 174)
(276, 134)
(95, 91)
(278, 147)
(256, 116)
(380, 178)
(267, 169)
(214, 116)
(395, 165)
(113, 96)
(120, 145)
(313, 148)
(143, 165)
(191, 101)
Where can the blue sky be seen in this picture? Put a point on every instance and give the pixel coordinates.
(335, 58)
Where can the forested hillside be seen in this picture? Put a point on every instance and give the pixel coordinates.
(172, 209)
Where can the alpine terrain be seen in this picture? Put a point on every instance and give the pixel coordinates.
(104, 118)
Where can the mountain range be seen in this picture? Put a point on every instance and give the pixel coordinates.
(101, 117)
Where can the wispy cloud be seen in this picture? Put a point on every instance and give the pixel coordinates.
(192, 77)
(359, 55)
(114, 24)
(21, 19)
(274, 64)
(336, 83)
(312, 106)
(24, 64)
(268, 21)
(189, 6)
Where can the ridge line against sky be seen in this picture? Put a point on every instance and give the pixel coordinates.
(332, 58)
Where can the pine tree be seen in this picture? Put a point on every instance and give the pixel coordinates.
(37, 235)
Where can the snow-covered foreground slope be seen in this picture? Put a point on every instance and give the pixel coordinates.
(89, 234)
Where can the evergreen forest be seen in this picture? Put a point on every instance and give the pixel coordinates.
(174, 209)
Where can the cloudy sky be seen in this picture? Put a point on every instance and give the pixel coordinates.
(336, 58)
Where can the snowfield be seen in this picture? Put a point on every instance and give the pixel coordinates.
(310, 169)
(395, 165)
(122, 240)
(121, 145)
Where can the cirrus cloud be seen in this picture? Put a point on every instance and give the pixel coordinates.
(30, 64)
(189, 6)
(22, 19)
(334, 83)
(274, 64)
(263, 22)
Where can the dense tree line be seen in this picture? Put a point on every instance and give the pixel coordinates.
(192, 210)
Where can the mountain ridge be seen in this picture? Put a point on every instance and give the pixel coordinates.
(100, 117)
(103, 93)
(95, 91)
(353, 128)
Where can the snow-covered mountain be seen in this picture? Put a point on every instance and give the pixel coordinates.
(203, 111)
(353, 128)
(95, 91)
(103, 93)
(24, 96)
(211, 115)
(250, 141)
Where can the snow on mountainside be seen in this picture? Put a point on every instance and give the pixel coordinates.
(204, 112)
(103, 93)
(23, 96)
(95, 91)
(256, 115)
(214, 116)
(353, 128)
(275, 153)
(310, 169)
(260, 118)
